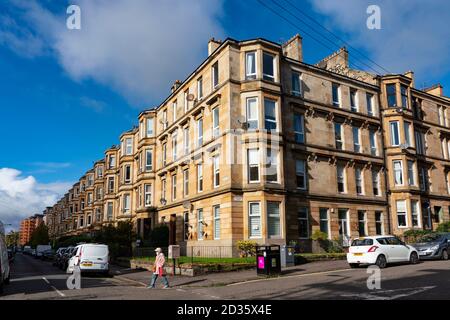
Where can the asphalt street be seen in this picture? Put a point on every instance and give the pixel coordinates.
(39, 280)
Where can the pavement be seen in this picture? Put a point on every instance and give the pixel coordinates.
(34, 279)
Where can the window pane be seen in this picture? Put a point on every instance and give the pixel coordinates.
(273, 215)
(268, 67)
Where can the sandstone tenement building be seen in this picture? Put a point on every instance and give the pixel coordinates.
(256, 144)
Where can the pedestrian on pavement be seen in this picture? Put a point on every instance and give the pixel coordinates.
(158, 270)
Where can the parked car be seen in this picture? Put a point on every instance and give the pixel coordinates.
(434, 246)
(4, 261)
(65, 258)
(58, 256)
(41, 248)
(27, 250)
(90, 257)
(48, 255)
(10, 255)
(380, 250)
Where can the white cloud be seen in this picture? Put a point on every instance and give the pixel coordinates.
(21, 197)
(136, 47)
(414, 35)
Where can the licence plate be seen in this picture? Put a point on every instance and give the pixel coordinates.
(422, 253)
(358, 254)
(86, 264)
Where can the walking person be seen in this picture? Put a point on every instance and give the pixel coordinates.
(158, 270)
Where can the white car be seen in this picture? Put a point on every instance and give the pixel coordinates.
(4, 260)
(380, 250)
(90, 257)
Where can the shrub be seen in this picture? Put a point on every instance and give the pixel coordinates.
(412, 236)
(247, 248)
(443, 227)
(319, 235)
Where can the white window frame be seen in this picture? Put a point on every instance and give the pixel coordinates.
(411, 173)
(165, 122)
(373, 143)
(381, 221)
(359, 179)
(125, 180)
(274, 155)
(215, 118)
(338, 92)
(214, 75)
(341, 133)
(279, 235)
(200, 177)
(394, 129)
(150, 127)
(186, 182)
(265, 75)
(356, 140)
(407, 132)
(148, 195)
(275, 107)
(174, 145)
(299, 173)
(216, 217)
(369, 104)
(299, 77)
(251, 165)
(250, 214)
(250, 75)
(216, 171)
(200, 132)
(327, 220)
(200, 221)
(394, 170)
(415, 207)
(174, 110)
(126, 203)
(376, 182)
(405, 213)
(186, 140)
(354, 96)
(299, 132)
(128, 146)
(344, 178)
(256, 113)
(148, 160)
(173, 181)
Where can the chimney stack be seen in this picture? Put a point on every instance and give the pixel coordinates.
(410, 74)
(175, 85)
(213, 44)
(436, 90)
(293, 48)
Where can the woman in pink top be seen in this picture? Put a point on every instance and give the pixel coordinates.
(158, 270)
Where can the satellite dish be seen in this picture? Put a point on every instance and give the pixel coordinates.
(163, 201)
(241, 119)
(190, 97)
(186, 204)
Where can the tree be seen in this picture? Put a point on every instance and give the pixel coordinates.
(12, 238)
(40, 236)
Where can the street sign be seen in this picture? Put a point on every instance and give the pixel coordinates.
(174, 251)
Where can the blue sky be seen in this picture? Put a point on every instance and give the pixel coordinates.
(66, 96)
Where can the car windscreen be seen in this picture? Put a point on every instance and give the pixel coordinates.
(95, 251)
(362, 242)
(431, 238)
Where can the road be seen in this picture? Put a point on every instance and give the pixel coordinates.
(39, 280)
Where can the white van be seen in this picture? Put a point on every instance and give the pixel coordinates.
(90, 257)
(4, 261)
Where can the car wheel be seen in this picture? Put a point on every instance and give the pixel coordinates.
(444, 255)
(354, 265)
(381, 261)
(413, 258)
